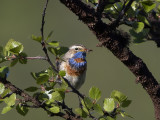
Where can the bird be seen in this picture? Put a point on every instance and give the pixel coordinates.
(74, 63)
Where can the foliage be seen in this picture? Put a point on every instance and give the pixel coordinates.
(51, 93)
(137, 17)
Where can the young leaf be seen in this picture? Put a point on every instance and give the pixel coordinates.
(31, 89)
(120, 97)
(109, 105)
(38, 39)
(10, 101)
(55, 109)
(88, 103)
(53, 50)
(138, 27)
(54, 44)
(98, 109)
(62, 50)
(58, 95)
(22, 109)
(6, 109)
(95, 93)
(3, 71)
(14, 62)
(17, 49)
(148, 5)
(81, 112)
(126, 103)
(22, 57)
(14, 46)
(42, 79)
(2, 88)
(62, 73)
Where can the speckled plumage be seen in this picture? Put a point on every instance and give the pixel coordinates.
(75, 65)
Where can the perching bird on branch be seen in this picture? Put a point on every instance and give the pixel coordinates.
(75, 65)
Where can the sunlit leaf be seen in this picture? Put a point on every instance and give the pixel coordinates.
(6, 109)
(3, 71)
(109, 104)
(54, 43)
(58, 95)
(2, 88)
(55, 109)
(14, 46)
(10, 101)
(38, 39)
(62, 73)
(81, 112)
(148, 5)
(138, 26)
(120, 97)
(95, 93)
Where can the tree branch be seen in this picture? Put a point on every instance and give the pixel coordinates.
(115, 42)
(36, 102)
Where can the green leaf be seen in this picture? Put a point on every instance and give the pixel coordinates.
(3, 71)
(62, 50)
(49, 35)
(14, 62)
(126, 103)
(88, 103)
(54, 43)
(6, 91)
(148, 5)
(42, 79)
(138, 27)
(110, 118)
(143, 19)
(2, 88)
(98, 109)
(58, 95)
(6, 109)
(53, 50)
(38, 39)
(55, 109)
(81, 112)
(62, 73)
(34, 75)
(10, 101)
(109, 105)
(31, 89)
(22, 58)
(22, 109)
(123, 114)
(120, 97)
(95, 93)
(14, 46)
(17, 49)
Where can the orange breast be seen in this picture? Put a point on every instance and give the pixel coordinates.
(78, 60)
(72, 72)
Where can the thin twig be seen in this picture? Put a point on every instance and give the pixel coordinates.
(46, 53)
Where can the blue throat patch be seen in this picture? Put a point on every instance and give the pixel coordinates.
(78, 65)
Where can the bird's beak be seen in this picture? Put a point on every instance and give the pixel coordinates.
(88, 50)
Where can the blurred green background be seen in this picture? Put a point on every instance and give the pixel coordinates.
(19, 19)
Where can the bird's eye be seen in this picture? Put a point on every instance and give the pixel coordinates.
(76, 48)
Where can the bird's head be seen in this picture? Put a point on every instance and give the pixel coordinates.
(78, 51)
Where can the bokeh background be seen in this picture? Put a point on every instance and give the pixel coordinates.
(19, 19)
